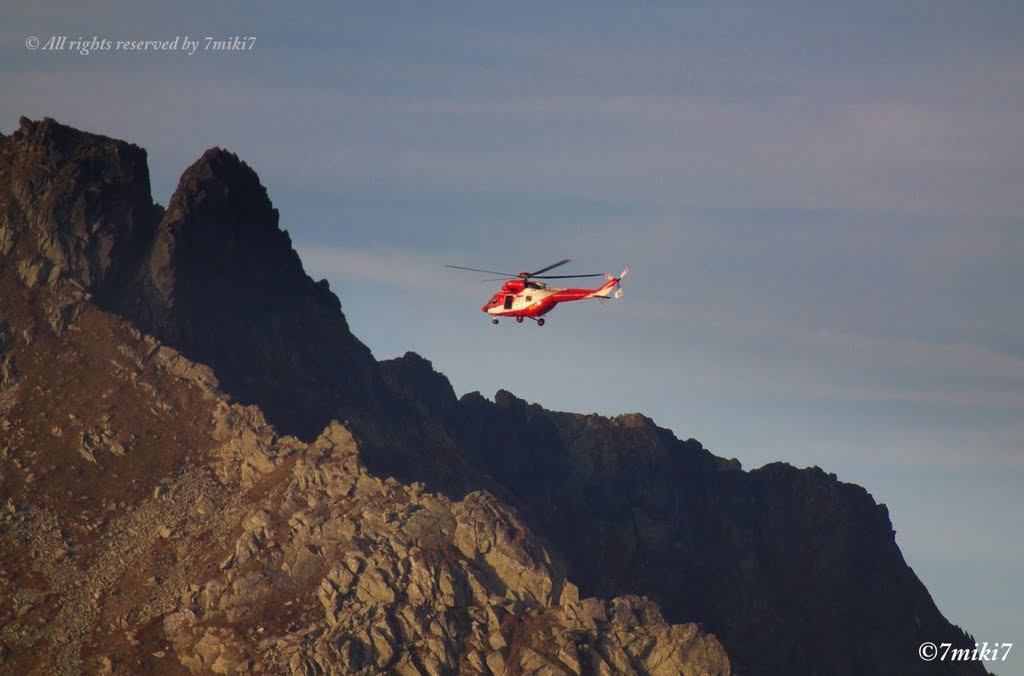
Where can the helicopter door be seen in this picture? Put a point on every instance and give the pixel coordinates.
(508, 301)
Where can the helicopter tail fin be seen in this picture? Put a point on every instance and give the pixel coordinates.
(611, 288)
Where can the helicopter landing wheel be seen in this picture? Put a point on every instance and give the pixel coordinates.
(540, 322)
(494, 321)
(519, 320)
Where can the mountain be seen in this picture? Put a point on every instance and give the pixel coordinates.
(205, 469)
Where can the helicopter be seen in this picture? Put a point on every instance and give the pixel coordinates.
(522, 297)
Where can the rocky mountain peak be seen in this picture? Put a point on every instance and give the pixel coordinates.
(222, 282)
(219, 247)
(414, 377)
(221, 192)
(74, 206)
(492, 505)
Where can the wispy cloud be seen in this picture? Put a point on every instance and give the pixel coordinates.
(410, 271)
(810, 362)
(800, 139)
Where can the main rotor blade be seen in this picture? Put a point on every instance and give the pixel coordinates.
(550, 267)
(538, 274)
(490, 272)
(596, 274)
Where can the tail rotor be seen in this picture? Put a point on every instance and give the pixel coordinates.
(618, 280)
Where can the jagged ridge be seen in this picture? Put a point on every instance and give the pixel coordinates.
(796, 571)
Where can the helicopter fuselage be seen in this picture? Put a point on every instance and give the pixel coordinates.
(523, 296)
(534, 299)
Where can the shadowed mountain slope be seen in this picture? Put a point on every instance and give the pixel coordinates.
(794, 571)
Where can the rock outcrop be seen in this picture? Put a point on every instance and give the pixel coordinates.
(148, 523)
(320, 561)
(74, 206)
(221, 282)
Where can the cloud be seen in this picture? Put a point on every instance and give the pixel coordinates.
(408, 271)
(541, 116)
(821, 362)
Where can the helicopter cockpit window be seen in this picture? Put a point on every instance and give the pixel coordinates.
(508, 302)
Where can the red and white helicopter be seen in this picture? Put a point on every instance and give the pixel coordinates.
(522, 297)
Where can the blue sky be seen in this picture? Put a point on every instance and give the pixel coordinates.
(822, 206)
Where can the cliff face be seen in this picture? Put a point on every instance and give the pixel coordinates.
(793, 570)
(73, 204)
(221, 281)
